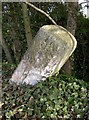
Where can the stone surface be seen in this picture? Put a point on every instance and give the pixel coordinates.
(51, 48)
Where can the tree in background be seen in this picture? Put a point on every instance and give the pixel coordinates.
(6, 50)
(13, 30)
(71, 27)
(81, 55)
(26, 19)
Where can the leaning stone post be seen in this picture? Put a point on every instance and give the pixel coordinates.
(51, 48)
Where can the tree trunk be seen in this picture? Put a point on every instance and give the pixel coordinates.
(6, 50)
(0, 61)
(71, 27)
(14, 31)
(27, 24)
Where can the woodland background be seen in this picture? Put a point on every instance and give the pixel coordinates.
(20, 23)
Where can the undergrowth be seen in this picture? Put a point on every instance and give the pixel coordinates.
(59, 97)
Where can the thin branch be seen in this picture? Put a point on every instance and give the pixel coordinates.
(83, 2)
(41, 12)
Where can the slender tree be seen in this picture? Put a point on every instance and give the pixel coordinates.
(0, 61)
(27, 24)
(16, 46)
(6, 50)
(71, 27)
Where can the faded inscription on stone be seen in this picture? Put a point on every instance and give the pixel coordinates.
(51, 48)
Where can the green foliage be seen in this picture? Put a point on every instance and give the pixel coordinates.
(57, 97)
(59, 14)
(7, 69)
(81, 59)
(13, 30)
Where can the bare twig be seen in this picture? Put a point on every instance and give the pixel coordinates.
(83, 2)
(41, 12)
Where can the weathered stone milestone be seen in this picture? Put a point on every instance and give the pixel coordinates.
(51, 48)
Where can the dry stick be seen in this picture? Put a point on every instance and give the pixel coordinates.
(83, 2)
(41, 12)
